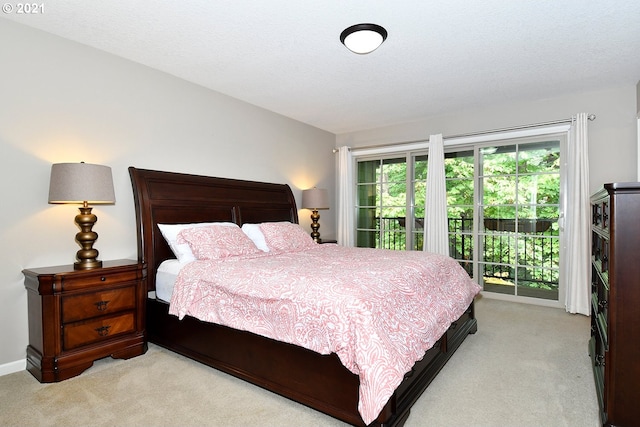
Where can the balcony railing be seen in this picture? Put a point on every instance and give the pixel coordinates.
(536, 248)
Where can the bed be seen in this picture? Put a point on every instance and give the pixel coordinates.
(320, 381)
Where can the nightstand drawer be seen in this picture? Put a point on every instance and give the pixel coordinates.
(86, 306)
(81, 281)
(76, 335)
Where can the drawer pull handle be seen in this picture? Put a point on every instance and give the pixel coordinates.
(103, 331)
(101, 305)
(102, 279)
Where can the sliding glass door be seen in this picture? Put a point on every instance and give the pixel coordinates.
(519, 208)
(382, 203)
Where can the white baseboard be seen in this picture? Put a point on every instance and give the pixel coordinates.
(11, 367)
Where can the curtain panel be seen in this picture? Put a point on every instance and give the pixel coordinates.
(436, 229)
(578, 220)
(346, 208)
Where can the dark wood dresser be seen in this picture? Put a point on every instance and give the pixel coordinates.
(79, 316)
(615, 297)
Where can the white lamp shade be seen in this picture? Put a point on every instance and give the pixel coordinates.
(315, 198)
(81, 182)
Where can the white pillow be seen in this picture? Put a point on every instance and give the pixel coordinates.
(183, 251)
(255, 234)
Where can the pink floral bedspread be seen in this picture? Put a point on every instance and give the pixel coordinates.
(378, 310)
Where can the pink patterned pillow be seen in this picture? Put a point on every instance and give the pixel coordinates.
(214, 242)
(286, 237)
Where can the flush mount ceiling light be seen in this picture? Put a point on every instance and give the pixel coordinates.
(363, 38)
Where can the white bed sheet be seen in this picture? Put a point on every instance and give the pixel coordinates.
(166, 278)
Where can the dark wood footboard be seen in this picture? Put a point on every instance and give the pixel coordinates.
(318, 381)
(426, 369)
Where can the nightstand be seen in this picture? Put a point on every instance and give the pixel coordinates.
(79, 316)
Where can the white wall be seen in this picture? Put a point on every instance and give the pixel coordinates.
(63, 102)
(638, 124)
(613, 142)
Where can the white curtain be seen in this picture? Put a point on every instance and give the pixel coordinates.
(578, 220)
(345, 197)
(436, 231)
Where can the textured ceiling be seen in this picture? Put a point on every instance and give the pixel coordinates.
(440, 56)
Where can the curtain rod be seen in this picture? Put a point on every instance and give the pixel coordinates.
(591, 117)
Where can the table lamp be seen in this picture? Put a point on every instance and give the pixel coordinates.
(82, 183)
(315, 199)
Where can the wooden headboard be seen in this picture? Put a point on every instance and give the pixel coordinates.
(177, 198)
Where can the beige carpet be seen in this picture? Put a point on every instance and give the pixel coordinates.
(526, 366)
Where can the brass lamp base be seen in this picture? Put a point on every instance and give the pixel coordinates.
(87, 256)
(315, 235)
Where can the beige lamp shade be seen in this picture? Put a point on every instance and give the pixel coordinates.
(315, 199)
(81, 182)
